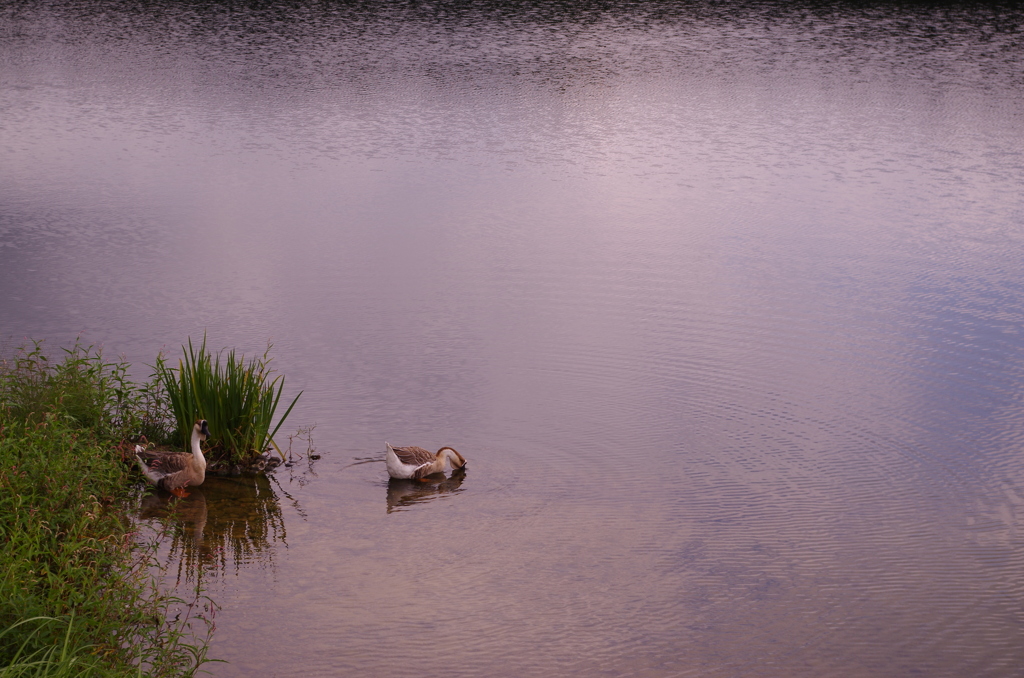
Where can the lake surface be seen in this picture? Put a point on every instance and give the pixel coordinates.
(722, 302)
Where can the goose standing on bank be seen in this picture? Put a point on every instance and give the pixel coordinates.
(175, 472)
(415, 462)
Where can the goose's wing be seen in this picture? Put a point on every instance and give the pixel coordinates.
(148, 455)
(173, 481)
(414, 456)
(170, 463)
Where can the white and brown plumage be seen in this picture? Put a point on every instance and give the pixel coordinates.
(174, 472)
(415, 462)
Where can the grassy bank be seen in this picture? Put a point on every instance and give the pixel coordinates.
(75, 595)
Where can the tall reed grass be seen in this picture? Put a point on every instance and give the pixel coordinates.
(238, 399)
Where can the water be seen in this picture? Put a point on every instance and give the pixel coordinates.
(723, 304)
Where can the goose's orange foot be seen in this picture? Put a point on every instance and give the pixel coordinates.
(179, 492)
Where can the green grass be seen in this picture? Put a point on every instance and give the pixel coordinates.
(72, 573)
(238, 399)
(84, 391)
(59, 660)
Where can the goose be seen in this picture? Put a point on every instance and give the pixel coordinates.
(175, 472)
(415, 462)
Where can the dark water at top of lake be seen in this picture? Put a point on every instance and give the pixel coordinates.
(723, 303)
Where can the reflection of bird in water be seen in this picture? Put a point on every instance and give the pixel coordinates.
(408, 492)
(176, 471)
(189, 511)
(416, 462)
(226, 522)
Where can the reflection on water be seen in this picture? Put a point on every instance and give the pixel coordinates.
(405, 493)
(224, 524)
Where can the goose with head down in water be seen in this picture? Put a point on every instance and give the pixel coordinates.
(415, 462)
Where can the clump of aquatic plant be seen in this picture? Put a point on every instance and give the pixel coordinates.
(238, 399)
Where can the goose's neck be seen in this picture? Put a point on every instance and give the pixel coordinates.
(197, 451)
(451, 456)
